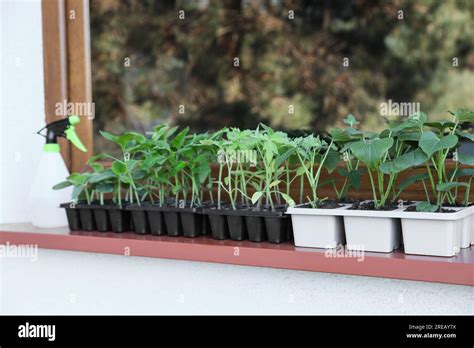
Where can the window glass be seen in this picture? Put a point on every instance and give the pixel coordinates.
(294, 65)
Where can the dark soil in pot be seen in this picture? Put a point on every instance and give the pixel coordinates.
(237, 227)
(443, 210)
(347, 200)
(455, 205)
(277, 229)
(191, 223)
(256, 228)
(329, 204)
(371, 206)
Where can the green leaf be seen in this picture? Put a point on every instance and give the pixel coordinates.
(418, 118)
(275, 183)
(412, 180)
(355, 177)
(203, 172)
(126, 139)
(469, 172)
(288, 199)
(464, 115)
(371, 152)
(256, 196)
(464, 158)
(415, 121)
(430, 143)
(410, 136)
(178, 140)
(408, 160)
(340, 135)
(351, 120)
(283, 157)
(95, 158)
(62, 185)
(109, 136)
(301, 170)
(354, 132)
(270, 150)
(427, 207)
(97, 167)
(326, 182)
(97, 177)
(104, 188)
(466, 135)
(119, 168)
(440, 125)
(446, 186)
(76, 192)
(332, 160)
(77, 179)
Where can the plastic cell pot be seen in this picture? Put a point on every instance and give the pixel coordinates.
(277, 228)
(87, 218)
(102, 220)
(156, 222)
(139, 219)
(256, 228)
(312, 228)
(378, 234)
(73, 218)
(206, 225)
(237, 227)
(173, 223)
(218, 223)
(191, 222)
(120, 219)
(436, 234)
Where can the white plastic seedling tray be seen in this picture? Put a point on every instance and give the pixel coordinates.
(461, 212)
(380, 231)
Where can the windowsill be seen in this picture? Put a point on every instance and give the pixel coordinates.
(454, 270)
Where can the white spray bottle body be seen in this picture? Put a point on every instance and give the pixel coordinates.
(44, 201)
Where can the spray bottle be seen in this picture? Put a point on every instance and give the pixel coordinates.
(44, 201)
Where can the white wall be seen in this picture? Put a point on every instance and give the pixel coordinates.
(61, 282)
(21, 103)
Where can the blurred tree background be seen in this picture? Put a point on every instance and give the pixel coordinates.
(147, 61)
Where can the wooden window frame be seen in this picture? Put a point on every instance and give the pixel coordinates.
(67, 69)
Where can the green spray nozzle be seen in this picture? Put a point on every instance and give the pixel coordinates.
(71, 135)
(62, 128)
(74, 119)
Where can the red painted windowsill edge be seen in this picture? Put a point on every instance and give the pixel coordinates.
(455, 270)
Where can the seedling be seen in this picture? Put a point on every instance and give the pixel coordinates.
(437, 145)
(312, 151)
(386, 155)
(350, 171)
